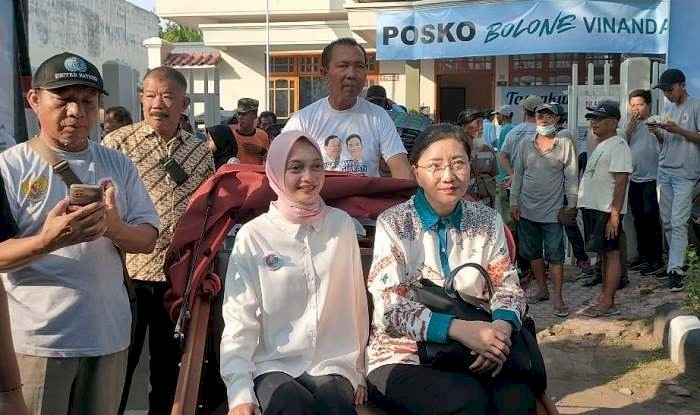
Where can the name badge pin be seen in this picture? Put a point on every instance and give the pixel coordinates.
(273, 261)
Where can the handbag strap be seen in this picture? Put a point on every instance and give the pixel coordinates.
(64, 171)
(450, 280)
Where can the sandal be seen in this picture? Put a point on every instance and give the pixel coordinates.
(592, 281)
(593, 311)
(562, 311)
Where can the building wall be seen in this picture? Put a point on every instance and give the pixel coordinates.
(98, 30)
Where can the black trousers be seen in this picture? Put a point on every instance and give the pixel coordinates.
(645, 208)
(279, 393)
(421, 390)
(164, 351)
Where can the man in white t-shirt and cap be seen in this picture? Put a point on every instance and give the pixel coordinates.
(69, 308)
(679, 168)
(360, 125)
(602, 197)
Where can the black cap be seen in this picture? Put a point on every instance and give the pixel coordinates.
(669, 78)
(67, 69)
(468, 115)
(376, 91)
(604, 109)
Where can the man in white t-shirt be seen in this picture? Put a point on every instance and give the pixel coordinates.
(69, 307)
(602, 197)
(366, 132)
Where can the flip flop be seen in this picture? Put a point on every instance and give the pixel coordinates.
(537, 299)
(589, 302)
(561, 311)
(593, 311)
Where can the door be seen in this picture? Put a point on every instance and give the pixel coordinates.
(451, 103)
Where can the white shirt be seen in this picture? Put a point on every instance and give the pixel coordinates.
(377, 134)
(294, 302)
(71, 302)
(598, 182)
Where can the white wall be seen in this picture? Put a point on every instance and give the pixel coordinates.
(392, 77)
(98, 30)
(242, 72)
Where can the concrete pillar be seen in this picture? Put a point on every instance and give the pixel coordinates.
(412, 70)
(502, 75)
(121, 81)
(158, 50)
(428, 85)
(634, 74)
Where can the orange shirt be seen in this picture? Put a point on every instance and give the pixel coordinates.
(259, 138)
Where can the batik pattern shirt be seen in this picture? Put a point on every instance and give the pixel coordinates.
(147, 150)
(405, 252)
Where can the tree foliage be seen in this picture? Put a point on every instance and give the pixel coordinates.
(174, 32)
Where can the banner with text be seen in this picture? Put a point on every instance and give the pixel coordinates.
(524, 27)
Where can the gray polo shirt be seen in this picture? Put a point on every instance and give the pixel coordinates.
(645, 153)
(542, 179)
(679, 156)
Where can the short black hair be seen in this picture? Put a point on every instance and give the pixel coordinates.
(351, 136)
(529, 113)
(642, 93)
(435, 133)
(120, 114)
(329, 138)
(328, 50)
(166, 72)
(268, 114)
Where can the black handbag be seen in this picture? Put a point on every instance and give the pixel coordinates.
(525, 359)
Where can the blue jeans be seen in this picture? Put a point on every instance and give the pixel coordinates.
(675, 205)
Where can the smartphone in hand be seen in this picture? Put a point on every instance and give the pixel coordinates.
(84, 194)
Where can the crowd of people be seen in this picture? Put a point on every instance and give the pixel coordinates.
(84, 280)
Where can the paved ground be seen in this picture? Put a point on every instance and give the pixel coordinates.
(612, 365)
(595, 366)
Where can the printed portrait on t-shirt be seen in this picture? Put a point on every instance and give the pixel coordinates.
(333, 147)
(354, 144)
(344, 155)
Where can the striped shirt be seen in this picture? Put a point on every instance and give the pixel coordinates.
(142, 144)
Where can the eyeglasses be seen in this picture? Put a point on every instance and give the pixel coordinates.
(458, 167)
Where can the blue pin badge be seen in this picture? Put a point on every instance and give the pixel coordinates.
(273, 260)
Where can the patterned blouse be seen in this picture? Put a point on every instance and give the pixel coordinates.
(409, 243)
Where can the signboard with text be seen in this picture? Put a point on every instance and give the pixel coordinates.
(512, 95)
(524, 27)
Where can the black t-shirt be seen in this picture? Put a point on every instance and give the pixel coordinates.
(8, 226)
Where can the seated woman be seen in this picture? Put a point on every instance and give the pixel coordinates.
(427, 236)
(222, 145)
(295, 305)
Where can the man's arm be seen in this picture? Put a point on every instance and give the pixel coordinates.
(505, 163)
(399, 167)
(673, 128)
(60, 229)
(621, 181)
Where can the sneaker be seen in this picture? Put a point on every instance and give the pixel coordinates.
(592, 281)
(653, 269)
(675, 281)
(638, 265)
(660, 275)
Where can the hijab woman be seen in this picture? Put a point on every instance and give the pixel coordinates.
(295, 307)
(424, 238)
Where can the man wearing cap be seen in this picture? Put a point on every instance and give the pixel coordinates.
(602, 197)
(172, 164)
(527, 128)
(376, 94)
(545, 177)
(252, 142)
(61, 266)
(343, 113)
(679, 168)
(482, 182)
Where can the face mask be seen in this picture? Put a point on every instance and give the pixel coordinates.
(546, 129)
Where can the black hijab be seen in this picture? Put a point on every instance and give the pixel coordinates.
(225, 142)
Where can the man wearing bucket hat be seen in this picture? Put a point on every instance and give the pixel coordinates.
(679, 168)
(68, 300)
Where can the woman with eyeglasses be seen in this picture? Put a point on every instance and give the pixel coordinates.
(425, 238)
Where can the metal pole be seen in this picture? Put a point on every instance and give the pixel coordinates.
(267, 55)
